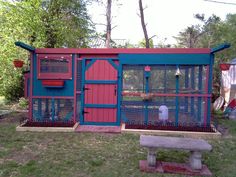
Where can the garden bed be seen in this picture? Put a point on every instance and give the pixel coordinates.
(211, 133)
(170, 128)
(47, 126)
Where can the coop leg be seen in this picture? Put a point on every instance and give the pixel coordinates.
(195, 160)
(151, 157)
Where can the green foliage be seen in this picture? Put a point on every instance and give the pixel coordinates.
(40, 23)
(200, 35)
(208, 34)
(143, 43)
(23, 102)
(66, 23)
(12, 86)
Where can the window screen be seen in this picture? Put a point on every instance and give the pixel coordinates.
(54, 66)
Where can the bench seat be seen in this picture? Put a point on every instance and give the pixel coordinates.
(174, 143)
(195, 146)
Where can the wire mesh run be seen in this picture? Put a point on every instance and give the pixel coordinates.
(52, 111)
(78, 107)
(190, 112)
(79, 75)
(181, 89)
(133, 78)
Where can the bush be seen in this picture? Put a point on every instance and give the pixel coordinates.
(13, 87)
(23, 103)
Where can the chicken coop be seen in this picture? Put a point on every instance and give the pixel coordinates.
(162, 88)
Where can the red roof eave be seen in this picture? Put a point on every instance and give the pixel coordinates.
(124, 51)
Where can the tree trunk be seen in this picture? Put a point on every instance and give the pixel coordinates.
(108, 30)
(143, 24)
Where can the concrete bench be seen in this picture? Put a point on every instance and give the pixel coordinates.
(195, 146)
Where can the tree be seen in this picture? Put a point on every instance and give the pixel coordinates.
(16, 24)
(189, 37)
(66, 23)
(198, 35)
(108, 26)
(143, 43)
(41, 23)
(147, 44)
(212, 32)
(107, 35)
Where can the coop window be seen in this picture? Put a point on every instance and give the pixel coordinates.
(54, 67)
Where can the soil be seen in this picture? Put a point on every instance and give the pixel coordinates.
(14, 117)
(49, 124)
(171, 128)
(20, 117)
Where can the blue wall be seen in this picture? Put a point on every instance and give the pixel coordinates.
(40, 90)
(184, 59)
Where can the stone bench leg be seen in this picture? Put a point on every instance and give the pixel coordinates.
(151, 157)
(195, 160)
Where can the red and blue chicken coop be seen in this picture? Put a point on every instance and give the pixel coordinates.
(113, 86)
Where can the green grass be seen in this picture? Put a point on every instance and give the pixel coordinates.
(96, 155)
(3, 104)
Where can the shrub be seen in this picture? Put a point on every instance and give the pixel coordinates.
(13, 87)
(23, 103)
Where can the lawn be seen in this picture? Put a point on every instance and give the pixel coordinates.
(96, 155)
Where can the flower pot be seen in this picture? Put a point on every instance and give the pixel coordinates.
(18, 63)
(224, 66)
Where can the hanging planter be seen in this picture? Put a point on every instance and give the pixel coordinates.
(18, 63)
(224, 66)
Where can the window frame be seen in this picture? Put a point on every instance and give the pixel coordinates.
(57, 75)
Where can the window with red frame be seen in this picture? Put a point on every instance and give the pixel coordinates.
(54, 67)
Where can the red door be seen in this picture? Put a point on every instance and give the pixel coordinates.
(100, 92)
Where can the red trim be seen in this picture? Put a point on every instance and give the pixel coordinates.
(54, 75)
(91, 55)
(31, 86)
(75, 81)
(26, 77)
(25, 86)
(206, 90)
(57, 97)
(119, 50)
(168, 94)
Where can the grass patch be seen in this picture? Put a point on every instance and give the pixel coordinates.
(96, 155)
(2, 100)
(3, 104)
